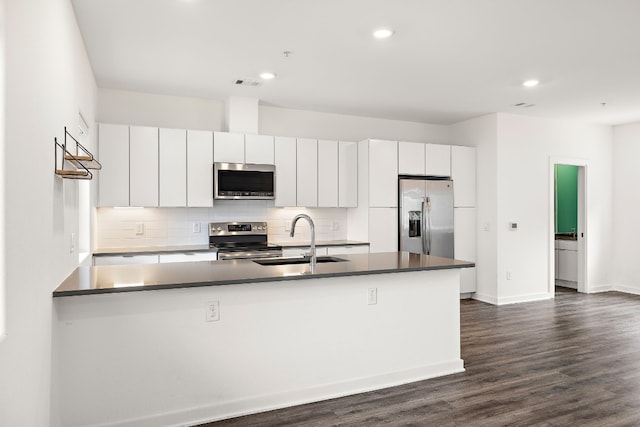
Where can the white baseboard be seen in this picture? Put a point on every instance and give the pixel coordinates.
(485, 298)
(256, 404)
(525, 298)
(624, 288)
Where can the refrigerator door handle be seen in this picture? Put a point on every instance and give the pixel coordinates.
(427, 221)
(423, 231)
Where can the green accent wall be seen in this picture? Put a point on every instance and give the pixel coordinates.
(566, 198)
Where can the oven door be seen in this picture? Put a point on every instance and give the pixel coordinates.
(225, 256)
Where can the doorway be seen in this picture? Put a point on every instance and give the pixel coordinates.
(568, 220)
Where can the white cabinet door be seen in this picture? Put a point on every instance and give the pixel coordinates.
(228, 147)
(173, 167)
(464, 243)
(286, 171)
(113, 153)
(383, 230)
(199, 168)
(258, 149)
(411, 158)
(346, 250)
(438, 160)
(347, 174)
(567, 265)
(188, 257)
(328, 173)
(383, 173)
(463, 173)
(143, 169)
(307, 173)
(125, 259)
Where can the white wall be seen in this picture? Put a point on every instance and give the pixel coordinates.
(145, 109)
(310, 124)
(136, 108)
(2, 167)
(482, 133)
(513, 157)
(48, 81)
(525, 147)
(626, 205)
(116, 227)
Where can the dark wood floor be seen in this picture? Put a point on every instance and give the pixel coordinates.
(572, 361)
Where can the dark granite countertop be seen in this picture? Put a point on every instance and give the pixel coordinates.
(143, 250)
(321, 243)
(141, 277)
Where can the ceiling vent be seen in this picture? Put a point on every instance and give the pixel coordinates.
(247, 82)
(524, 105)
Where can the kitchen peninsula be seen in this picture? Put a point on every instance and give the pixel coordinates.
(280, 337)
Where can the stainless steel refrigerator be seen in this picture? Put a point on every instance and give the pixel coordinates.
(425, 216)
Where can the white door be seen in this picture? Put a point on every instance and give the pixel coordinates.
(199, 168)
(173, 167)
(113, 153)
(327, 173)
(143, 170)
(286, 171)
(258, 149)
(307, 172)
(228, 147)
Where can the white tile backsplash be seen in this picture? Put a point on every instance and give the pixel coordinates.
(116, 227)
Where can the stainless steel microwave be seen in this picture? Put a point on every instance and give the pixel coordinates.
(244, 181)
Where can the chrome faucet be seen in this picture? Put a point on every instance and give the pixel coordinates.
(312, 261)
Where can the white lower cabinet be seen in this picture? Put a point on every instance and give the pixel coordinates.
(464, 243)
(188, 257)
(567, 260)
(125, 259)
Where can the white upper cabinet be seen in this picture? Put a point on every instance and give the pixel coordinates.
(173, 167)
(463, 173)
(228, 147)
(113, 152)
(199, 168)
(143, 171)
(383, 173)
(286, 171)
(327, 173)
(438, 160)
(259, 149)
(411, 158)
(347, 174)
(307, 173)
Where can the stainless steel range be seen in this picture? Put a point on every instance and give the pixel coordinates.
(241, 240)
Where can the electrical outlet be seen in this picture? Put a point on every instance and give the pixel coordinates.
(485, 226)
(508, 275)
(372, 296)
(335, 226)
(72, 247)
(287, 226)
(139, 228)
(212, 311)
(196, 227)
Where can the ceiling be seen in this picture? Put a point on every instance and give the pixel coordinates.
(448, 60)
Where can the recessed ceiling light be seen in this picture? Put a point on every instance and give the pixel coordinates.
(383, 33)
(267, 76)
(530, 83)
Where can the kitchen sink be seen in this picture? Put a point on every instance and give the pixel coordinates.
(296, 260)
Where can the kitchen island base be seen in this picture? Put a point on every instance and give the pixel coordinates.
(152, 359)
